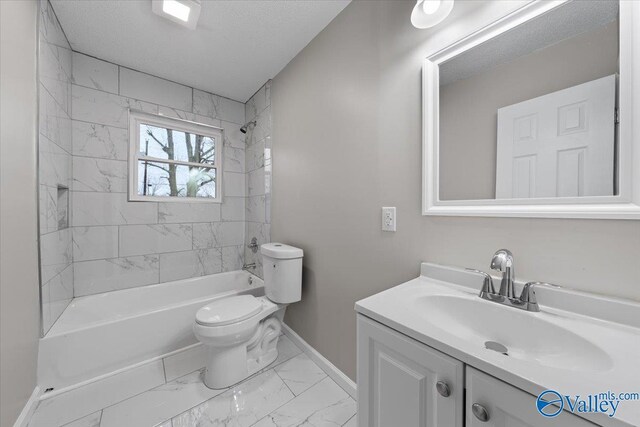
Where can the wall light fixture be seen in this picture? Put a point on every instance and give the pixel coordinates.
(428, 13)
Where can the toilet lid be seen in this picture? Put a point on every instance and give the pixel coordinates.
(228, 310)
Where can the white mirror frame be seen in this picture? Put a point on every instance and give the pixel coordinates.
(626, 205)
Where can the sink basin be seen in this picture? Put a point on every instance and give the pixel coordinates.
(530, 337)
(578, 344)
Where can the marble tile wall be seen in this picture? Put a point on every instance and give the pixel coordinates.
(258, 173)
(119, 244)
(103, 242)
(55, 166)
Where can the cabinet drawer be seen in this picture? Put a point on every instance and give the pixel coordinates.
(397, 379)
(508, 406)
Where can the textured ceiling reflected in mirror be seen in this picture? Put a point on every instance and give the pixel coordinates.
(531, 113)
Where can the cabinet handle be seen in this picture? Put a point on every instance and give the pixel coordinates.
(480, 412)
(443, 389)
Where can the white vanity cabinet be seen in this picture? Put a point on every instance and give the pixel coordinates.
(404, 383)
(507, 406)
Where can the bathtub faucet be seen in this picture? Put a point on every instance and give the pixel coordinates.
(248, 266)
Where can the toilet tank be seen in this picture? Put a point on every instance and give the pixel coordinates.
(282, 267)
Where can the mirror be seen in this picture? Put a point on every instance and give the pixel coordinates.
(531, 113)
(526, 112)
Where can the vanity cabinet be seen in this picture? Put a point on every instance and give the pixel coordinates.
(507, 406)
(402, 382)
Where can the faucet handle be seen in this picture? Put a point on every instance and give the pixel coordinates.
(528, 295)
(487, 284)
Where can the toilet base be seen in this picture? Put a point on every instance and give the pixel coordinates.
(231, 365)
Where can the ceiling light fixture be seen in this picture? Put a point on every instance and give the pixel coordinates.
(183, 12)
(177, 9)
(428, 13)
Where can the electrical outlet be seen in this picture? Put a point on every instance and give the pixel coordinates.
(388, 219)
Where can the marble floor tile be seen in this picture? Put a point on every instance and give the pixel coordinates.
(159, 404)
(292, 391)
(300, 373)
(324, 404)
(286, 350)
(240, 406)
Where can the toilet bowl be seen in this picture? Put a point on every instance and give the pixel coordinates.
(241, 332)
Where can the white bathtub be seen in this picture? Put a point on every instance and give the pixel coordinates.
(100, 334)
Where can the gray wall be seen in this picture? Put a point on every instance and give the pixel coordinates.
(19, 308)
(469, 107)
(347, 141)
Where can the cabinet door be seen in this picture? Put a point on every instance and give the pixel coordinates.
(508, 406)
(397, 379)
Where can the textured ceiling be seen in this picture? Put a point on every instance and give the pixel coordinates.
(559, 24)
(237, 46)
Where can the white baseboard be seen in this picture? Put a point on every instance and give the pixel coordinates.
(329, 368)
(29, 409)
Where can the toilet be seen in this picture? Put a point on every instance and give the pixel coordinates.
(241, 332)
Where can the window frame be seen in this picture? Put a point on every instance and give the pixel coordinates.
(137, 118)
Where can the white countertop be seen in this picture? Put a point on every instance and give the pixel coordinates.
(608, 323)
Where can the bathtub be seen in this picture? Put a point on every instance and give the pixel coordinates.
(99, 334)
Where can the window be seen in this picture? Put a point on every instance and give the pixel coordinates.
(173, 160)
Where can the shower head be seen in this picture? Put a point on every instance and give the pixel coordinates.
(245, 128)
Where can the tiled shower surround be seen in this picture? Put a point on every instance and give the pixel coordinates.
(258, 167)
(119, 244)
(55, 173)
(107, 242)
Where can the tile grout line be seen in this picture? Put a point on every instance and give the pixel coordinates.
(294, 397)
(137, 394)
(55, 100)
(265, 370)
(283, 381)
(220, 394)
(153, 253)
(314, 363)
(354, 415)
(154, 104)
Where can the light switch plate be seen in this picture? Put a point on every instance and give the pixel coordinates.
(388, 219)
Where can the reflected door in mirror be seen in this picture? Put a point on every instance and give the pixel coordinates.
(558, 145)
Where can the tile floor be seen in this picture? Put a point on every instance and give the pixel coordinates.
(293, 391)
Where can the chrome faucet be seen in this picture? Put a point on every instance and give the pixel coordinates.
(503, 261)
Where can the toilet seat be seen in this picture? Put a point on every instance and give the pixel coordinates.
(236, 327)
(227, 311)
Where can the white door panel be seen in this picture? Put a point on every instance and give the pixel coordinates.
(558, 145)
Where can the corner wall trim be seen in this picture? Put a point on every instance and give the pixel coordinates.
(29, 408)
(346, 383)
